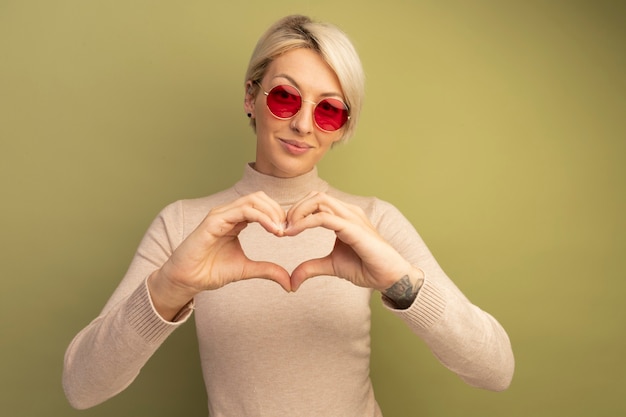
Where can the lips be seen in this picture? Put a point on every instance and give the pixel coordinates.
(295, 147)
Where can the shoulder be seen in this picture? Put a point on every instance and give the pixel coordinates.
(202, 205)
(186, 214)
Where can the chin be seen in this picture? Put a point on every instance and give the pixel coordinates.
(291, 169)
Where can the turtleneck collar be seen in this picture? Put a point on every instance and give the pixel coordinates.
(285, 191)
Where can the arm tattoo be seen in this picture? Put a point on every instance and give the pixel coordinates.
(403, 293)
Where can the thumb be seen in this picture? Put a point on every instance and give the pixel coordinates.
(267, 270)
(311, 268)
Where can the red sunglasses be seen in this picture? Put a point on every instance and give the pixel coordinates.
(285, 101)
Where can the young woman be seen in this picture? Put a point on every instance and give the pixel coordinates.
(280, 267)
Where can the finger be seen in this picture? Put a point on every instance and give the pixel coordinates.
(352, 232)
(263, 203)
(325, 220)
(320, 209)
(314, 202)
(267, 270)
(254, 214)
(269, 206)
(302, 204)
(305, 214)
(256, 207)
(309, 269)
(271, 214)
(238, 228)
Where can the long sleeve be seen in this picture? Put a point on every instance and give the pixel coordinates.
(278, 353)
(107, 355)
(465, 339)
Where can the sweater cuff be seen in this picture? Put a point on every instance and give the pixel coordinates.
(426, 310)
(144, 319)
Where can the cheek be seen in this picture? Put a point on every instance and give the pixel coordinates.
(333, 139)
(263, 123)
(261, 114)
(266, 122)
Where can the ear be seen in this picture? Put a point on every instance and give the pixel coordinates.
(249, 98)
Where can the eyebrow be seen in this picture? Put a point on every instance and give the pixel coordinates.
(294, 82)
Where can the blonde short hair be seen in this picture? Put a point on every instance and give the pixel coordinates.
(330, 42)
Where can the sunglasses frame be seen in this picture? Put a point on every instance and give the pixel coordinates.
(302, 100)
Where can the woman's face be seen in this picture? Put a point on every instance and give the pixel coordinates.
(292, 147)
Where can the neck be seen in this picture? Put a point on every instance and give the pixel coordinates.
(285, 191)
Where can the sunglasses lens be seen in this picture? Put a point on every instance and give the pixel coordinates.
(284, 101)
(330, 114)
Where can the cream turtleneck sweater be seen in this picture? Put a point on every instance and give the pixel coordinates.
(265, 352)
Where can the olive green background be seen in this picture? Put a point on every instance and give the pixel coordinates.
(497, 127)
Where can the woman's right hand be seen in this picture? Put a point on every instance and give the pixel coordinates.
(211, 256)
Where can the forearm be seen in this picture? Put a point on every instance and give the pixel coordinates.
(107, 355)
(464, 338)
(404, 291)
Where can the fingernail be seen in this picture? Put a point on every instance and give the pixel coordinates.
(279, 227)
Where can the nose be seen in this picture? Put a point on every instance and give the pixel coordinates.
(303, 122)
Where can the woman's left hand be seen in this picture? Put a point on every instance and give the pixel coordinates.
(360, 254)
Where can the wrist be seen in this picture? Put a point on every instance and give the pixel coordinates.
(167, 298)
(404, 291)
